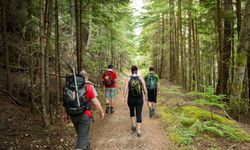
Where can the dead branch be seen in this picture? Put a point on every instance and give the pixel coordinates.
(16, 102)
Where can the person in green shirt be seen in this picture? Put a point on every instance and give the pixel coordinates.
(153, 88)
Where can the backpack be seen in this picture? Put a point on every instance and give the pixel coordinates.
(75, 106)
(135, 86)
(151, 81)
(107, 79)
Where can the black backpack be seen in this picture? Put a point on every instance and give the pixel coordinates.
(72, 105)
(135, 86)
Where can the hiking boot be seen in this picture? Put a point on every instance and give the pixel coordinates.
(153, 112)
(107, 108)
(139, 134)
(133, 128)
(112, 110)
(150, 112)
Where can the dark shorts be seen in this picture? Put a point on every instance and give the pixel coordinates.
(152, 95)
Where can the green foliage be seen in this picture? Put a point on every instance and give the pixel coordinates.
(189, 122)
(207, 98)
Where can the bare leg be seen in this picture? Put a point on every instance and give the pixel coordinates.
(132, 121)
(138, 129)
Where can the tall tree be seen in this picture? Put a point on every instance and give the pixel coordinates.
(57, 56)
(42, 60)
(5, 46)
(190, 61)
(77, 33)
(171, 39)
(48, 26)
(242, 54)
(227, 47)
(220, 47)
(163, 63)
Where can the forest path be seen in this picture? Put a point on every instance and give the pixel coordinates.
(114, 131)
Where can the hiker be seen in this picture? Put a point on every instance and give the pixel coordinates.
(81, 119)
(153, 88)
(109, 79)
(133, 93)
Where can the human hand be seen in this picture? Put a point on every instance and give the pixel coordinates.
(158, 93)
(102, 115)
(65, 118)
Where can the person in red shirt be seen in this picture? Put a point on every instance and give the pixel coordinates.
(109, 79)
(82, 122)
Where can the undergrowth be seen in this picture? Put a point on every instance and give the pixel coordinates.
(186, 123)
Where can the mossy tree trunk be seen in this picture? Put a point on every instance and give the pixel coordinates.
(242, 54)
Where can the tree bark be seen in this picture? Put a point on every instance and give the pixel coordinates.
(242, 54)
(171, 38)
(163, 48)
(5, 47)
(226, 51)
(77, 23)
(190, 67)
(57, 56)
(42, 51)
(47, 53)
(220, 47)
(31, 67)
(238, 14)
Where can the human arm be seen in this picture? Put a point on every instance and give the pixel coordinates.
(125, 92)
(98, 106)
(144, 89)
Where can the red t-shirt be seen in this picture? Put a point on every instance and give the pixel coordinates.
(89, 95)
(113, 75)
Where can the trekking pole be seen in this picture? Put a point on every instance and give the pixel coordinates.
(77, 96)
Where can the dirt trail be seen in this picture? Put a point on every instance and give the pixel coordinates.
(114, 133)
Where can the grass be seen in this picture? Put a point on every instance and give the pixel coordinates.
(186, 123)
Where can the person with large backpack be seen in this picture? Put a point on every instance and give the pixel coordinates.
(78, 93)
(134, 89)
(153, 87)
(109, 80)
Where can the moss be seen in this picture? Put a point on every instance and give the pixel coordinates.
(195, 113)
(188, 122)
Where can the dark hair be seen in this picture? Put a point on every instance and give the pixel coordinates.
(110, 66)
(151, 68)
(134, 69)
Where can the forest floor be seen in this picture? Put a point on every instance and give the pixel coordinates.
(20, 129)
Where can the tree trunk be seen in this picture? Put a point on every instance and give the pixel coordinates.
(90, 26)
(226, 52)
(238, 14)
(242, 53)
(42, 51)
(190, 61)
(77, 22)
(81, 35)
(47, 53)
(163, 48)
(5, 47)
(171, 38)
(185, 56)
(29, 38)
(57, 56)
(219, 88)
